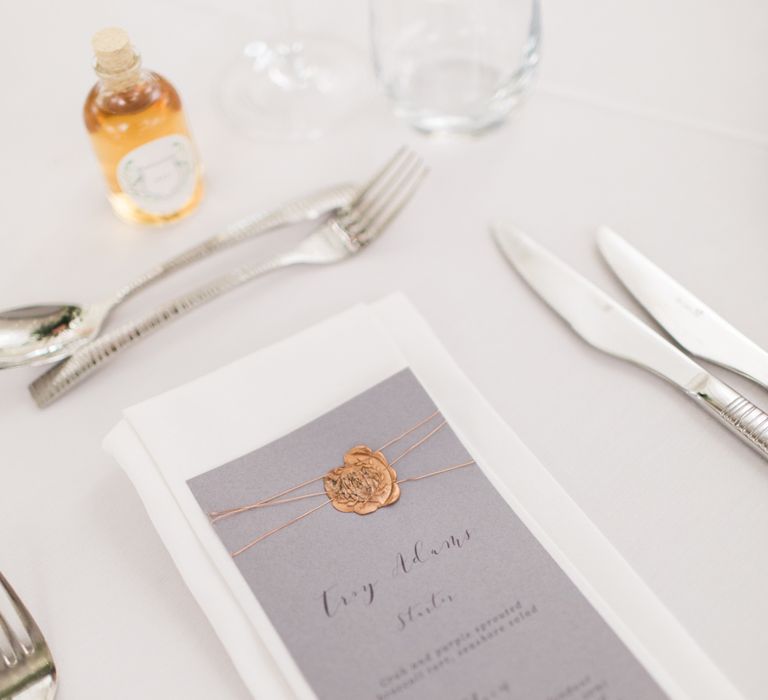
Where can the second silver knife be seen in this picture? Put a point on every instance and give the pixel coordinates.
(607, 325)
(687, 319)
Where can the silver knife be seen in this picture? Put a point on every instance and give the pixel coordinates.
(687, 319)
(607, 325)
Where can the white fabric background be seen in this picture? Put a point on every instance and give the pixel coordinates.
(649, 116)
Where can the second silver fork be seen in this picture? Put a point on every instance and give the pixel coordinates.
(341, 237)
(27, 669)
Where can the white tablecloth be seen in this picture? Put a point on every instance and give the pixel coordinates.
(649, 116)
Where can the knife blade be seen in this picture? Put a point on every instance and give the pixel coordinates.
(608, 326)
(686, 318)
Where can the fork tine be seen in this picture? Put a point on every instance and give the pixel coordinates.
(14, 646)
(388, 208)
(395, 183)
(379, 176)
(385, 183)
(27, 621)
(7, 654)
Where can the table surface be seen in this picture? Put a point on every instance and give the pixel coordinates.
(649, 116)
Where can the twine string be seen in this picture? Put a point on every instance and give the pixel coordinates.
(246, 547)
(269, 502)
(221, 514)
(277, 499)
(435, 473)
(418, 444)
(409, 431)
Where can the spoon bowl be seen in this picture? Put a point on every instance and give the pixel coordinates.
(36, 335)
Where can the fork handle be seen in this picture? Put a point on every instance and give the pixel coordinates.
(305, 208)
(736, 412)
(68, 373)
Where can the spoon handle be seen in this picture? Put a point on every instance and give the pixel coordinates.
(305, 208)
(68, 373)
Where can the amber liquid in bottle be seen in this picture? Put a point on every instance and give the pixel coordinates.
(142, 142)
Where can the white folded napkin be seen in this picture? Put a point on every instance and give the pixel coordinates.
(165, 441)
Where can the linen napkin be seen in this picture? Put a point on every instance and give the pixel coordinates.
(165, 441)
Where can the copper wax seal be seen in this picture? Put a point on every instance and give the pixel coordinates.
(363, 484)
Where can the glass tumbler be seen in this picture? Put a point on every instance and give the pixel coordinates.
(455, 65)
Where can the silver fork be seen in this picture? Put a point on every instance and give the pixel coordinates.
(26, 664)
(345, 234)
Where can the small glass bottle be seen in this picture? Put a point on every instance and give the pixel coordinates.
(140, 136)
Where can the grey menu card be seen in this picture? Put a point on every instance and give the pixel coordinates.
(441, 595)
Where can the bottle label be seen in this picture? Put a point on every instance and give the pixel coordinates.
(160, 176)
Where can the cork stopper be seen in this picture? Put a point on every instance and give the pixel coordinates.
(113, 50)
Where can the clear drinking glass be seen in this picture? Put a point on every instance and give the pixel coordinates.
(455, 65)
(287, 85)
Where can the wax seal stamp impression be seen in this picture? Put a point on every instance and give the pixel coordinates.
(365, 482)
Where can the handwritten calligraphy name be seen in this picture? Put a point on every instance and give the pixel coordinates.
(333, 601)
(337, 598)
(421, 553)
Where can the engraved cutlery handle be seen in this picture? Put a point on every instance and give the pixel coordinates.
(304, 209)
(736, 412)
(749, 421)
(83, 362)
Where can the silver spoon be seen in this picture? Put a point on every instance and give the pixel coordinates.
(36, 335)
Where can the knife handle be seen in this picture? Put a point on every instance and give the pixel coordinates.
(737, 412)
